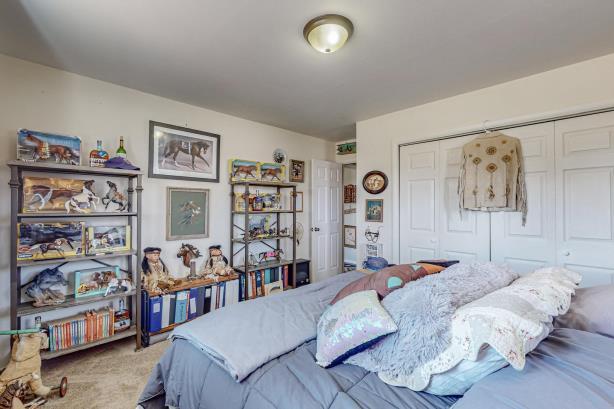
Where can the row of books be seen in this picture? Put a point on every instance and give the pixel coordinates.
(80, 329)
(264, 282)
(162, 311)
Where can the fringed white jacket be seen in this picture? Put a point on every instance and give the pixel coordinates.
(492, 175)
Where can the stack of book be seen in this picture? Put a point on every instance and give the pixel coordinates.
(261, 282)
(166, 310)
(80, 329)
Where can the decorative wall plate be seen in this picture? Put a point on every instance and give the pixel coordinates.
(375, 182)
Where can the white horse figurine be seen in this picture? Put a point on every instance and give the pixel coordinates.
(87, 198)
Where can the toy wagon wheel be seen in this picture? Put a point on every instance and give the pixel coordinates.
(63, 387)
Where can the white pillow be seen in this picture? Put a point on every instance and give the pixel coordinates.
(512, 320)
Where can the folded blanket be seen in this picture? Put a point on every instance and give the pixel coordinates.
(242, 337)
(423, 312)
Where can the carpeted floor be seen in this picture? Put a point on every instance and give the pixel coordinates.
(105, 377)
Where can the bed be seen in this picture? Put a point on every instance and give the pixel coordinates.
(570, 369)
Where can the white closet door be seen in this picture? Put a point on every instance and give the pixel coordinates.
(526, 248)
(585, 190)
(419, 202)
(465, 238)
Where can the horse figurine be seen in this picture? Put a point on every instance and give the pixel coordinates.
(43, 150)
(187, 252)
(246, 170)
(44, 194)
(86, 198)
(273, 173)
(114, 196)
(55, 245)
(195, 149)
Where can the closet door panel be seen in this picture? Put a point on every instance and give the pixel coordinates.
(526, 248)
(585, 190)
(419, 200)
(462, 236)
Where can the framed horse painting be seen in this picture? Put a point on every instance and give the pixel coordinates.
(176, 152)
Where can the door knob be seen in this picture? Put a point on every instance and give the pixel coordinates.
(433, 241)
(567, 253)
(315, 229)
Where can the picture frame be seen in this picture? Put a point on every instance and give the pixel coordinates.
(94, 281)
(176, 152)
(349, 236)
(297, 170)
(374, 210)
(187, 213)
(36, 146)
(272, 172)
(241, 170)
(47, 240)
(375, 182)
(346, 148)
(107, 239)
(299, 202)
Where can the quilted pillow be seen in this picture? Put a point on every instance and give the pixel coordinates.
(384, 281)
(512, 321)
(350, 326)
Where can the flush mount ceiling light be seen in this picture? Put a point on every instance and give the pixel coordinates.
(328, 33)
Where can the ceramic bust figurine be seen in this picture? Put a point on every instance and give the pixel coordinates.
(156, 277)
(216, 264)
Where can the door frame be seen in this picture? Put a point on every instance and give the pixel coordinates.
(514, 122)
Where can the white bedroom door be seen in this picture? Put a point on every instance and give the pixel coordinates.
(585, 202)
(326, 217)
(419, 202)
(526, 248)
(462, 236)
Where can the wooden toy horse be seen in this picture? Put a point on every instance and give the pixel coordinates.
(195, 149)
(187, 252)
(114, 196)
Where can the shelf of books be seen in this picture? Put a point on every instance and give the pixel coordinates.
(187, 301)
(54, 225)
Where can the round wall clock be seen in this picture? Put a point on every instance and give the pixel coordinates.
(375, 182)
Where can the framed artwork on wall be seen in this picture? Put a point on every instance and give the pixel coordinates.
(375, 182)
(349, 236)
(297, 170)
(187, 213)
(374, 210)
(176, 152)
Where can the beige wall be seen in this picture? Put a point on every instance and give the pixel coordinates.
(580, 84)
(41, 98)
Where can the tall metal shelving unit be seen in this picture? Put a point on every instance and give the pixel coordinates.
(21, 309)
(245, 243)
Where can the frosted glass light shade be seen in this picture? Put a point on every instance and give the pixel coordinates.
(328, 33)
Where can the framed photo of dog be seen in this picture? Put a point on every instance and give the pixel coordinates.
(176, 152)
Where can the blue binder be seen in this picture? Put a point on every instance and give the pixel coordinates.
(193, 303)
(200, 301)
(181, 306)
(154, 311)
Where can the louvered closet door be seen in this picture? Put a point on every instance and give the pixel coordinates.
(419, 202)
(526, 248)
(585, 190)
(461, 237)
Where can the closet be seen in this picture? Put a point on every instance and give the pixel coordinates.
(570, 183)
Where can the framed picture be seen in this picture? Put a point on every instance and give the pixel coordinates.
(349, 236)
(35, 146)
(187, 213)
(374, 210)
(272, 172)
(297, 170)
(107, 239)
(375, 182)
(346, 148)
(39, 241)
(299, 202)
(94, 281)
(176, 152)
(243, 170)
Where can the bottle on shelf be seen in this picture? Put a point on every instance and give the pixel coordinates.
(121, 151)
(98, 156)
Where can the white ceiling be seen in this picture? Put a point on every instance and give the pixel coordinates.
(248, 57)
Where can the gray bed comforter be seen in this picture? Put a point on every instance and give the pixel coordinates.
(569, 370)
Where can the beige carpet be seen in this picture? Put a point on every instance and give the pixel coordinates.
(105, 377)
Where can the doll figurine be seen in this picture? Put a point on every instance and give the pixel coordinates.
(217, 264)
(156, 277)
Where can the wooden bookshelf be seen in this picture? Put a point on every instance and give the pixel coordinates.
(201, 282)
